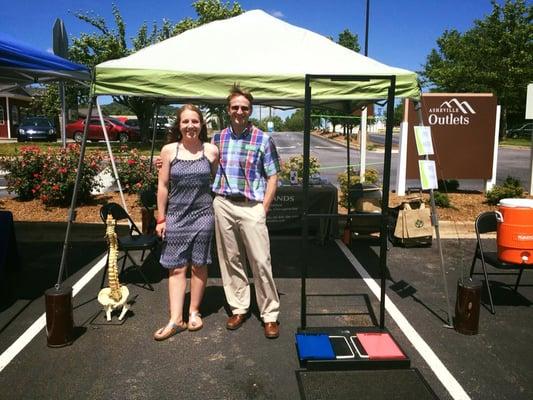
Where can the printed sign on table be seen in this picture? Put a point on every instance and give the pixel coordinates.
(428, 174)
(424, 144)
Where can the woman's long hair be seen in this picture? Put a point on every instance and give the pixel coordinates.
(175, 133)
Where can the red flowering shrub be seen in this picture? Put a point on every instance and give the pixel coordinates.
(50, 175)
(59, 175)
(134, 170)
(25, 172)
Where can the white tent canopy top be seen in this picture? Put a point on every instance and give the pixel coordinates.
(263, 54)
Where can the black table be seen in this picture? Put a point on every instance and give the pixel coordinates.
(285, 215)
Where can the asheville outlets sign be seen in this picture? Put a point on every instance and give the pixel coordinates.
(462, 127)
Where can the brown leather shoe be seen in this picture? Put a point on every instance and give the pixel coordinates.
(271, 330)
(235, 321)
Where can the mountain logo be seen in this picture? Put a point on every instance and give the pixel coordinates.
(463, 106)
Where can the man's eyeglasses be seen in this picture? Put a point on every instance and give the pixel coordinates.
(242, 108)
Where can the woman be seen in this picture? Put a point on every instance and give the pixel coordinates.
(185, 219)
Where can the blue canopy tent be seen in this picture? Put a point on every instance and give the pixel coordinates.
(22, 65)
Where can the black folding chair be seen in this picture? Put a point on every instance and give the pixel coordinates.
(134, 240)
(486, 223)
(149, 201)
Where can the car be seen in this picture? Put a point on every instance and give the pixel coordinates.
(116, 130)
(164, 124)
(134, 122)
(127, 120)
(522, 131)
(36, 128)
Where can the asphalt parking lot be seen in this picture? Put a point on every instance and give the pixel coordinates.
(118, 360)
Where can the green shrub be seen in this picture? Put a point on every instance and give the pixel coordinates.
(134, 170)
(441, 200)
(511, 188)
(448, 185)
(371, 176)
(50, 175)
(296, 163)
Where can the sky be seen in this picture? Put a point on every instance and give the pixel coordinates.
(401, 32)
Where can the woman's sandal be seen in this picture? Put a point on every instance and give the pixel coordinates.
(169, 330)
(195, 321)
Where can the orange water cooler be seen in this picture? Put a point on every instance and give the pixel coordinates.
(515, 231)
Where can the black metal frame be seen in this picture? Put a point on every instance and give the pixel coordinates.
(386, 185)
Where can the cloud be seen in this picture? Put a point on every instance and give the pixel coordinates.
(276, 13)
(50, 50)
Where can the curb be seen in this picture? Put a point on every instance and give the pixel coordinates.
(56, 231)
(379, 148)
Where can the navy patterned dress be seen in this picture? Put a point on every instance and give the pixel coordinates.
(189, 218)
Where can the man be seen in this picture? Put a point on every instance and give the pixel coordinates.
(245, 185)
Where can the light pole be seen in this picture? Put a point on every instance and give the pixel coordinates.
(366, 26)
(364, 112)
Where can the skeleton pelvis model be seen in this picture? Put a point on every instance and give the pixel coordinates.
(115, 296)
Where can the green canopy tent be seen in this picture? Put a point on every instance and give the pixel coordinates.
(275, 60)
(264, 54)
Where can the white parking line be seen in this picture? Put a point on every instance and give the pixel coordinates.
(436, 365)
(11, 352)
(329, 147)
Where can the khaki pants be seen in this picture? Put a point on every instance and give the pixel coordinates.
(240, 232)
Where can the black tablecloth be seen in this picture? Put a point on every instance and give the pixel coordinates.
(9, 262)
(285, 215)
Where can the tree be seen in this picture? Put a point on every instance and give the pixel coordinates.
(110, 43)
(495, 56)
(295, 121)
(45, 100)
(349, 40)
(115, 108)
(263, 123)
(398, 113)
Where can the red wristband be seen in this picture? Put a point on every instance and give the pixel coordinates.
(160, 221)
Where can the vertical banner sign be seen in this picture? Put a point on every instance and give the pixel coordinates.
(462, 131)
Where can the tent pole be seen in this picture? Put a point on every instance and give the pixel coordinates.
(154, 130)
(363, 133)
(111, 158)
(72, 210)
(305, 205)
(345, 131)
(435, 222)
(63, 119)
(384, 231)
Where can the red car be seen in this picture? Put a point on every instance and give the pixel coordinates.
(116, 130)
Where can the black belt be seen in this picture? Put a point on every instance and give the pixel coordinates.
(237, 198)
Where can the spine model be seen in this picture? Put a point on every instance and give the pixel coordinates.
(115, 296)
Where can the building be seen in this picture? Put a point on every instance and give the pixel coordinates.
(14, 105)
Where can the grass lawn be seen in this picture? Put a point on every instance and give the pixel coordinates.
(516, 142)
(11, 149)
